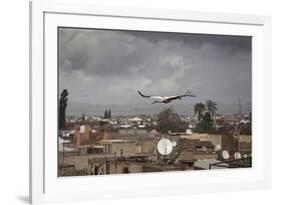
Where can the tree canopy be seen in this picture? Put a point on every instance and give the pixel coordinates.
(107, 114)
(199, 109)
(62, 108)
(205, 113)
(168, 120)
(211, 107)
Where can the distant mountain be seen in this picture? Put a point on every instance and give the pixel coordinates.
(77, 108)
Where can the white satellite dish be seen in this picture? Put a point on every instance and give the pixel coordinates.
(237, 155)
(217, 147)
(225, 154)
(204, 148)
(188, 132)
(174, 143)
(165, 146)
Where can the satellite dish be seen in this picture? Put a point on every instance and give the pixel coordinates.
(165, 146)
(237, 155)
(225, 154)
(188, 132)
(217, 147)
(245, 155)
(174, 143)
(204, 149)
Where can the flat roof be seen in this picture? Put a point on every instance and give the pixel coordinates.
(118, 141)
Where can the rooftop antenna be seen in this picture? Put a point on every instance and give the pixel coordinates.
(239, 106)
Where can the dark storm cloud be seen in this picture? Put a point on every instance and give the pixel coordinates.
(233, 43)
(98, 66)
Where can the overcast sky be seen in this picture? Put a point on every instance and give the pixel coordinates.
(108, 67)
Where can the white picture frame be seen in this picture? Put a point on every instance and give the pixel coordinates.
(46, 187)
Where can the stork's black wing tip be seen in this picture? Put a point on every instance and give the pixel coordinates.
(190, 94)
(141, 94)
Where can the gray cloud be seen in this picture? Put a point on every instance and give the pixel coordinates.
(106, 66)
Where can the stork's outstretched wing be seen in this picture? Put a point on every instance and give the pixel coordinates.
(187, 94)
(145, 96)
(150, 96)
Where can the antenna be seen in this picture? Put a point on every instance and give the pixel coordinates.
(239, 106)
(225, 154)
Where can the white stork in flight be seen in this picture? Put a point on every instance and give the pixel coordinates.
(166, 99)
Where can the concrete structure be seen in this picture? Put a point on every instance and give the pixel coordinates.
(82, 134)
(130, 151)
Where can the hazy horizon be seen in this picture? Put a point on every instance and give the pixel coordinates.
(77, 109)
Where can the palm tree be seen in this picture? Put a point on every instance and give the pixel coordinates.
(211, 107)
(199, 108)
